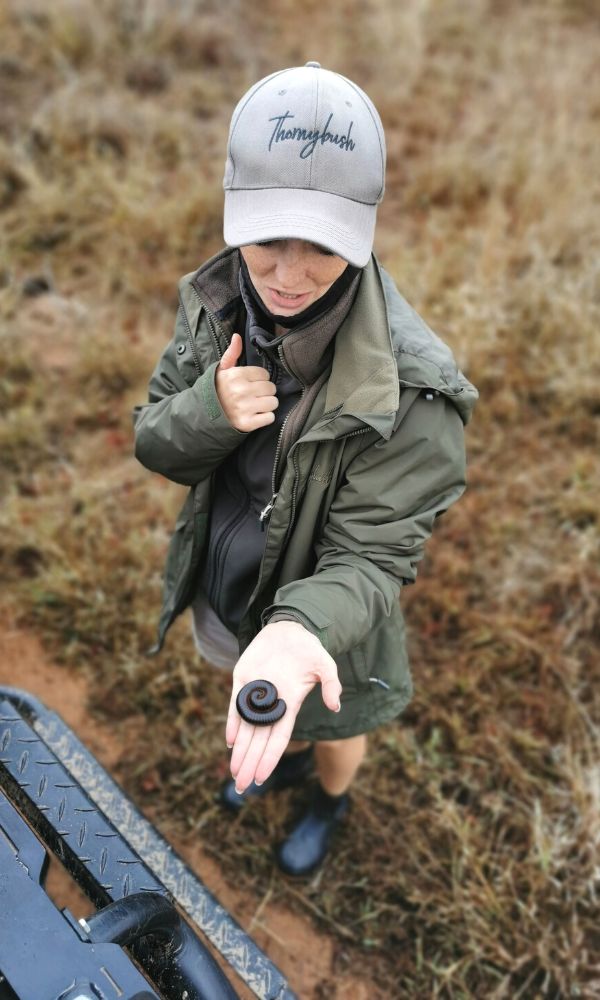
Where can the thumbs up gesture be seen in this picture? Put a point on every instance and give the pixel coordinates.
(246, 395)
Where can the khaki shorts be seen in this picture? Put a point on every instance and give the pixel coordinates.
(215, 643)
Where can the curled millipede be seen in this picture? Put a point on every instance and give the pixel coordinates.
(259, 705)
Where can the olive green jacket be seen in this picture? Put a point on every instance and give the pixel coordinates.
(380, 457)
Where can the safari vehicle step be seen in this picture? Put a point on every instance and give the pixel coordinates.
(56, 798)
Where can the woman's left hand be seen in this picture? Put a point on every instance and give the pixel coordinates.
(294, 660)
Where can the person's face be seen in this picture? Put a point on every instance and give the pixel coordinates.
(289, 275)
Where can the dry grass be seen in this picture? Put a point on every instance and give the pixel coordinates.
(470, 868)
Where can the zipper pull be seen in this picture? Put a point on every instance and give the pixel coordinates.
(266, 513)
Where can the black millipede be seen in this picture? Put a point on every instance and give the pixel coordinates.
(258, 703)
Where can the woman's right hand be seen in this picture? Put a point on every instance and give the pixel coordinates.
(246, 395)
(294, 660)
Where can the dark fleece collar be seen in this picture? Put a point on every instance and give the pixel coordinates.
(307, 350)
(307, 347)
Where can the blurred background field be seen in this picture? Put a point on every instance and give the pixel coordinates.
(470, 868)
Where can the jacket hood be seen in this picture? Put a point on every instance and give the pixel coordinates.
(383, 347)
(424, 360)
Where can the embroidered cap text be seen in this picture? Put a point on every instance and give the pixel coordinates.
(309, 136)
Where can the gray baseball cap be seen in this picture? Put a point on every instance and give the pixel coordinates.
(305, 160)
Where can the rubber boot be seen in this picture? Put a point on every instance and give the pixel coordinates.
(309, 842)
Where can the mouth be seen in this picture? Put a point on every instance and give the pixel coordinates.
(288, 300)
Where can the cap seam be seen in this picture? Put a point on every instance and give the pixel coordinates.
(346, 197)
(358, 93)
(249, 97)
(314, 129)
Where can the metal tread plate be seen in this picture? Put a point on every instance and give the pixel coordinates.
(103, 840)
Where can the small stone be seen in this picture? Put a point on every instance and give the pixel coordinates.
(37, 284)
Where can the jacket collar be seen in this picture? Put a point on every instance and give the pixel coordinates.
(382, 347)
(306, 349)
(364, 379)
(364, 375)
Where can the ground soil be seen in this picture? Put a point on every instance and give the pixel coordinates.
(305, 956)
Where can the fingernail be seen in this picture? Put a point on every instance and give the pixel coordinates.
(258, 783)
(229, 746)
(339, 706)
(239, 791)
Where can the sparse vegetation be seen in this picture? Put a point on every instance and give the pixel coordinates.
(470, 866)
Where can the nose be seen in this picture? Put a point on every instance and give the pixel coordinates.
(291, 266)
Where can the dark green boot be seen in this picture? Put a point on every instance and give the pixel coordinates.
(309, 842)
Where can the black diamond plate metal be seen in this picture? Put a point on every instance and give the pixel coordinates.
(103, 840)
(66, 817)
(43, 951)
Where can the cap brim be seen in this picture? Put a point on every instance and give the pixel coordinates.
(343, 226)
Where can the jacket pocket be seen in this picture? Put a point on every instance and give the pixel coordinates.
(358, 668)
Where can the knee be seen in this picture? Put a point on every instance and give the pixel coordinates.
(331, 746)
(341, 746)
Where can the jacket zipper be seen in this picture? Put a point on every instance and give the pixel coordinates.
(266, 512)
(190, 338)
(294, 497)
(270, 505)
(213, 326)
(361, 430)
(229, 533)
(214, 553)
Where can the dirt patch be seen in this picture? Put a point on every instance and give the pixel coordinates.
(23, 665)
(306, 958)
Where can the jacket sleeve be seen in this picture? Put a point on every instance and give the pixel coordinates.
(182, 432)
(377, 527)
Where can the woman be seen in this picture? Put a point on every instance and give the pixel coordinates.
(319, 425)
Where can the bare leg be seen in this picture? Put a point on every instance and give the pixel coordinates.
(338, 761)
(295, 746)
